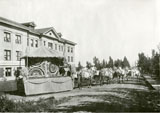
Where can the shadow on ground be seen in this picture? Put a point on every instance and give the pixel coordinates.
(132, 101)
(118, 99)
(130, 96)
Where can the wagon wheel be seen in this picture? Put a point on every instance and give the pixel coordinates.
(53, 68)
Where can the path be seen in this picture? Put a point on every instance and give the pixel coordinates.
(132, 95)
(153, 82)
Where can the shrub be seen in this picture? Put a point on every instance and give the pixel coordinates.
(6, 104)
(41, 105)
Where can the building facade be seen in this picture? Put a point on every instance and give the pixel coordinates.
(19, 38)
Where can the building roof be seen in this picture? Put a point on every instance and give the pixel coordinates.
(68, 41)
(43, 52)
(43, 30)
(17, 25)
(10, 22)
(34, 31)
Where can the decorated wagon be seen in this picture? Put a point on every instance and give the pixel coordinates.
(46, 71)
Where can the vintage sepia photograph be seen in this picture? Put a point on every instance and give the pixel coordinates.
(79, 56)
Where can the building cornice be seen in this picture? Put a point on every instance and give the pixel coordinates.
(13, 24)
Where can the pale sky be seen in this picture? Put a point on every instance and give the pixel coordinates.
(101, 28)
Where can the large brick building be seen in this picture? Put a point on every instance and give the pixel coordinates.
(17, 38)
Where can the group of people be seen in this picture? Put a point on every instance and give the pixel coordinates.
(105, 75)
(93, 76)
(87, 76)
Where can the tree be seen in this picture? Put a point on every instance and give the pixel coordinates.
(106, 64)
(103, 63)
(118, 63)
(159, 58)
(143, 63)
(155, 65)
(153, 53)
(79, 66)
(96, 63)
(125, 63)
(110, 63)
(88, 65)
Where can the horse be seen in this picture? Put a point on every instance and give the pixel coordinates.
(116, 75)
(128, 74)
(96, 76)
(119, 73)
(107, 74)
(86, 75)
(136, 73)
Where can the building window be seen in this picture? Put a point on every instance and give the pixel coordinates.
(68, 58)
(71, 59)
(71, 50)
(68, 49)
(7, 37)
(50, 45)
(59, 48)
(18, 39)
(7, 54)
(8, 72)
(62, 48)
(44, 42)
(32, 42)
(27, 41)
(55, 46)
(36, 43)
(18, 55)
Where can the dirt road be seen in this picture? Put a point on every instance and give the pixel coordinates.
(132, 95)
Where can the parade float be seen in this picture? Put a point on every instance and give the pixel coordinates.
(45, 72)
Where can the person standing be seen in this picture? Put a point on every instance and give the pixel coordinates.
(80, 80)
(101, 78)
(90, 81)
